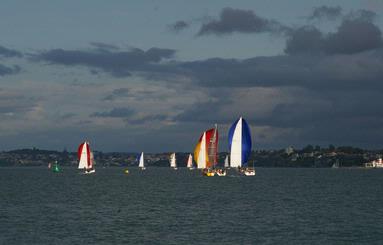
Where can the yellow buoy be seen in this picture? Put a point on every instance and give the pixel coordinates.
(126, 171)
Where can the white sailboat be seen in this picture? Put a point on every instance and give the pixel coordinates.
(86, 159)
(190, 162)
(141, 164)
(173, 162)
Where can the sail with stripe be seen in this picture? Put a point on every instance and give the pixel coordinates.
(239, 143)
(85, 156)
(205, 152)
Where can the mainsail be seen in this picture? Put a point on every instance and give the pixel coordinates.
(85, 156)
(190, 161)
(141, 162)
(205, 153)
(173, 163)
(239, 143)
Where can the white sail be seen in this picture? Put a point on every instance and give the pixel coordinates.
(173, 163)
(201, 163)
(141, 163)
(83, 163)
(227, 161)
(236, 146)
(190, 161)
(91, 164)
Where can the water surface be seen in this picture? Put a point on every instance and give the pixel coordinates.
(162, 206)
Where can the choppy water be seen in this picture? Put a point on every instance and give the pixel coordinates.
(161, 206)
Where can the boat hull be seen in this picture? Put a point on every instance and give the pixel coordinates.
(90, 171)
(249, 173)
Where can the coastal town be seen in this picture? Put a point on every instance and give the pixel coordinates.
(308, 156)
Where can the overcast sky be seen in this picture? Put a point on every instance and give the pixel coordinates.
(152, 75)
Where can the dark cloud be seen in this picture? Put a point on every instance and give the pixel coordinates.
(117, 63)
(66, 116)
(361, 71)
(117, 93)
(148, 118)
(305, 40)
(209, 111)
(362, 14)
(357, 33)
(327, 12)
(12, 103)
(104, 46)
(121, 112)
(354, 36)
(5, 52)
(5, 70)
(237, 20)
(179, 26)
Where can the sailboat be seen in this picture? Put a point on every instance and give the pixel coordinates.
(141, 164)
(335, 164)
(190, 162)
(86, 159)
(205, 152)
(240, 146)
(222, 172)
(173, 163)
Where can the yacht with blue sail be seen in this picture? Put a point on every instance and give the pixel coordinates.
(240, 147)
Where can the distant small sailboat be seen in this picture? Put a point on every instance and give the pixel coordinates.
(141, 164)
(335, 164)
(86, 159)
(173, 162)
(240, 146)
(190, 162)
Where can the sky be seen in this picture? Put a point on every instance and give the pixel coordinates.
(151, 76)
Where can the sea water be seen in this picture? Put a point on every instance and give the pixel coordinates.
(163, 206)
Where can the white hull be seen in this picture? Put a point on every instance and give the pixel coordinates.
(221, 174)
(142, 168)
(92, 171)
(249, 173)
